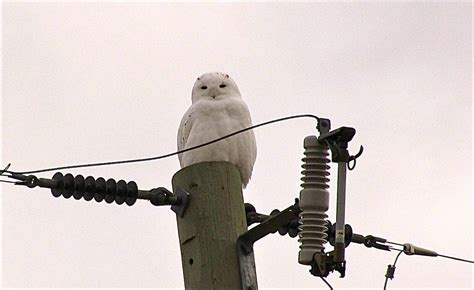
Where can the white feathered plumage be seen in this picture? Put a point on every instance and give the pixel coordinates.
(217, 109)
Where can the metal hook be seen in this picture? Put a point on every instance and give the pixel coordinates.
(30, 181)
(354, 158)
(27, 180)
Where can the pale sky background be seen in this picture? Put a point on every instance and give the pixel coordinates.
(90, 82)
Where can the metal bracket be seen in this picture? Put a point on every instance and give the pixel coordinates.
(323, 264)
(179, 201)
(337, 141)
(324, 125)
(183, 200)
(246, 240)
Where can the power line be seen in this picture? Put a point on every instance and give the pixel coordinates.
(457, 259)
(161, 156)
(391, 269)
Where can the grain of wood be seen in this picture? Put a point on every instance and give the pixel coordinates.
(213, 221)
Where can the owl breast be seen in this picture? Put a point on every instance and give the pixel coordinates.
(214, 119)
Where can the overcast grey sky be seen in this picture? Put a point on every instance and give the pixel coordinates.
(86, 82)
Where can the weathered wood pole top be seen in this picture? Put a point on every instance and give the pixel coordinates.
(213, 221)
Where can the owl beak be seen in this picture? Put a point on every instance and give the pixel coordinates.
(213, 93)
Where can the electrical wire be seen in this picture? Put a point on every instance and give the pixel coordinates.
(457, 259)
(8, 181)
(2, 174)
(327, 283)
(161, 156)
(393, 267)
(437, 255)
(393, 243)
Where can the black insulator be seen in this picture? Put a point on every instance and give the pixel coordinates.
(132, 193)
(283, 230)
(89, 188)
(110, 190)
(121, 192)
(68, 185)
(293, 229)
(100, 188)
(79, 186)
(58, 190)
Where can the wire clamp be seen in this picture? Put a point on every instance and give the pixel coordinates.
(390, 271)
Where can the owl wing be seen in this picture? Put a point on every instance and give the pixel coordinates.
(250, 147)
(183, 132)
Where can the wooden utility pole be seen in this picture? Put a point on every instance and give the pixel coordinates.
(213, 221)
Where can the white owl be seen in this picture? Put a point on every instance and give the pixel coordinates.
(217, 110)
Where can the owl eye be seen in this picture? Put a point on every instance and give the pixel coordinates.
(204, 88)
(222, 86)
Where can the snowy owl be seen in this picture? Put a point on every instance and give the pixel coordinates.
(217, 110)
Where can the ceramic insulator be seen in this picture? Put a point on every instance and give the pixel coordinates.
(314, 200)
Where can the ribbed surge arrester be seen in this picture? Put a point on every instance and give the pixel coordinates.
(314, 200)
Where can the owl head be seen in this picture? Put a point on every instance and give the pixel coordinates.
(214, 86)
